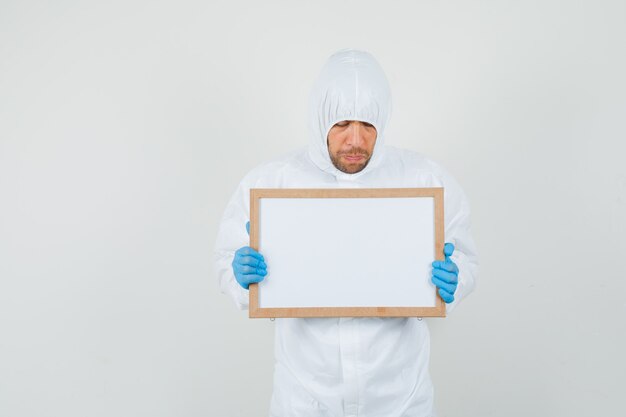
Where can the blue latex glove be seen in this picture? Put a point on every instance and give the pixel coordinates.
(446, 275)
(248, 265)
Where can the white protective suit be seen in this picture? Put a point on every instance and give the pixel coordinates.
(367, 367)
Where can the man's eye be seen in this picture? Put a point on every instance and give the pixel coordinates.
(342, 124)
(368, 124)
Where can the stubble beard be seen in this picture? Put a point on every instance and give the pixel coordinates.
(350, 168)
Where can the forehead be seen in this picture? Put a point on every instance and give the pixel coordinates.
(353, 121)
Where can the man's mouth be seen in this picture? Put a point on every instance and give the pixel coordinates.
(354, 158)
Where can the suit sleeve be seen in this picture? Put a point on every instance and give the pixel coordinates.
(231, 236)
(457, 232)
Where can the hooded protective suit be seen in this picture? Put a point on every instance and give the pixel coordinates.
(367, 367)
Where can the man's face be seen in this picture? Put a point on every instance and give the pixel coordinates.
(350, 145)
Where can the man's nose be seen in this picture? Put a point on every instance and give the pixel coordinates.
(355, 135)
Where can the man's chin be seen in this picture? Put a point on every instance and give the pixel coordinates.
(351, 168)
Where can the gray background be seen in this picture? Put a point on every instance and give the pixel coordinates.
(126, 125)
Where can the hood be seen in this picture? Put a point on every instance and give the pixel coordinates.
(351, 86)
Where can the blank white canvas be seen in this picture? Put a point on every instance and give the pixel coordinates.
(347, 252)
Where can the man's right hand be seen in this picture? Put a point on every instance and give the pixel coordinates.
(248, 265)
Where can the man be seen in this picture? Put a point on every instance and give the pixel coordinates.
(349, 366)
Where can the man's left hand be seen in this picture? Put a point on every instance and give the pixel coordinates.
(446, 275)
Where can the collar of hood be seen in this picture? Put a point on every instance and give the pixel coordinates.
(351, 86)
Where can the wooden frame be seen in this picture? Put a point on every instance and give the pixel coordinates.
(255, 311)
